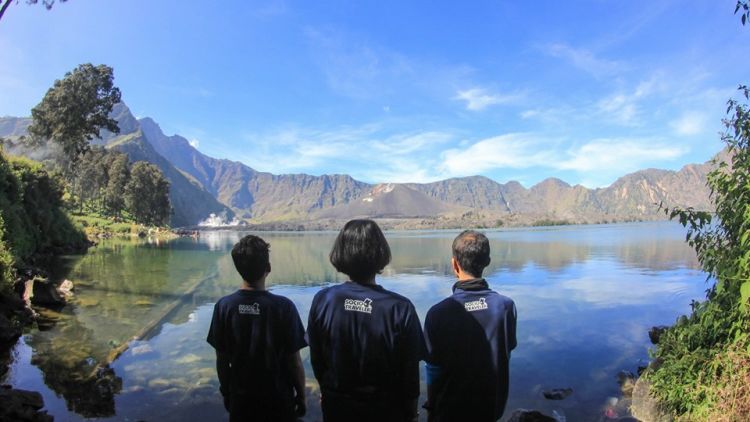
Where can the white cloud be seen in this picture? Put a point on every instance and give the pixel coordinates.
(194, 143)
(478, 99)
(515, 150)
(583, 59)
(623, 108)
(690, 123)
(618, 155)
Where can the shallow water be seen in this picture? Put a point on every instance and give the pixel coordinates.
(586, 296)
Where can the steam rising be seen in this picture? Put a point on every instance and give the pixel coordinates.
(220, 220)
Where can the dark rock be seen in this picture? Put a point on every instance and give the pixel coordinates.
(654, 334)
(626, 379)
(46, 294)
(557, 393)
(9, 333)
(22, 406)
(641, 369)
(523, 415)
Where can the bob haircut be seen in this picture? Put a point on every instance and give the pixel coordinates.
(250, 256)
(472, 251)
(360, 250)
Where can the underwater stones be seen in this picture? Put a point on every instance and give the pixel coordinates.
(86, 302)
(22, 406)
(557, 393)
(188, 359)
(524, 415)
(159, 384)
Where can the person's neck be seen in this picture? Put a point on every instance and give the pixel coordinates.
(258, 286)
(366, 281)
(463, 277)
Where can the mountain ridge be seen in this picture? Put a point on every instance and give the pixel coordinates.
(262, 197)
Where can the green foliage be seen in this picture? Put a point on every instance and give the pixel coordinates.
(147, 194)
(550, 222)
(33, 220)
(7, 273)
(692, 376)
(75, 109)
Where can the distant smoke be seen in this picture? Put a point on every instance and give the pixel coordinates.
(47, 151)
(221, 220)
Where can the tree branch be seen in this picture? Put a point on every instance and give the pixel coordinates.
(4, 7)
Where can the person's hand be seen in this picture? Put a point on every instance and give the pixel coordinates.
(226, 402)
(300, 407)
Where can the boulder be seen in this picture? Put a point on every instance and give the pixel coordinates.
(654, 334)
(44, 293)
(524, 415)
(557, 393)
(644, 407)
(626, 379)
(22, 406)
(66, 288)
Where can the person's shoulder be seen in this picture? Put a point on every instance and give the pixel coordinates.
(505, 300)
(398, 299)
(436, 308)
(226, 300)
(279, 299)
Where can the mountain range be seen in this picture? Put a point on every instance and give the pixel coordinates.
(201, 185)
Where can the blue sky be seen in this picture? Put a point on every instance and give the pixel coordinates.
(585, 91)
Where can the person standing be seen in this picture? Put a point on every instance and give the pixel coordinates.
(257, 336)
(469, 339)
(365, 341)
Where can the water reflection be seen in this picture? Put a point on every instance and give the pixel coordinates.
(585, 295)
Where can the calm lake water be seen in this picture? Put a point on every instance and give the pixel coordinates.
(586, 296)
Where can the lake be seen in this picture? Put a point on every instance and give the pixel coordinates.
(586, 297)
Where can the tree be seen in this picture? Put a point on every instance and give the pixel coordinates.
(47, 3)
(75, 109)
(147, 194)
(114, 194)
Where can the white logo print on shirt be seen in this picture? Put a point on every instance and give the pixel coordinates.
(253, 309)
(476, 305)
(358, 305)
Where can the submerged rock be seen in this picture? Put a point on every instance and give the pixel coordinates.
(557, 393)
(626, 379)
(22, 406)
(524, 415)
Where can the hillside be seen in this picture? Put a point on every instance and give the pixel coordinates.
(191, 203)
(204, 185)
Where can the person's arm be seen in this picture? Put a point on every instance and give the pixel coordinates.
(294, 361)
(223, 368)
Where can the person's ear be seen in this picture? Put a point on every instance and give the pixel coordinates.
(456, 267)
(268, 268)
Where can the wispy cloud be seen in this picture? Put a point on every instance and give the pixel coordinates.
(478, 99)
(618, 155)
(583, 59)
(514, 150)
(623, 107)
(690, 123)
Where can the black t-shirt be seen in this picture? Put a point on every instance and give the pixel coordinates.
(365, 343)
(258, 330)
(469, 337)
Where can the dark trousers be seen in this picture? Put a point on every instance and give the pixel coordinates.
(346, 409)
(243, 408)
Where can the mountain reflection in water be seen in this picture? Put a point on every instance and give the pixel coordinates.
(586, 296)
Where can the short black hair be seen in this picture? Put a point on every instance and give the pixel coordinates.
(250, 256)
(360, 250)
(472, 251)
